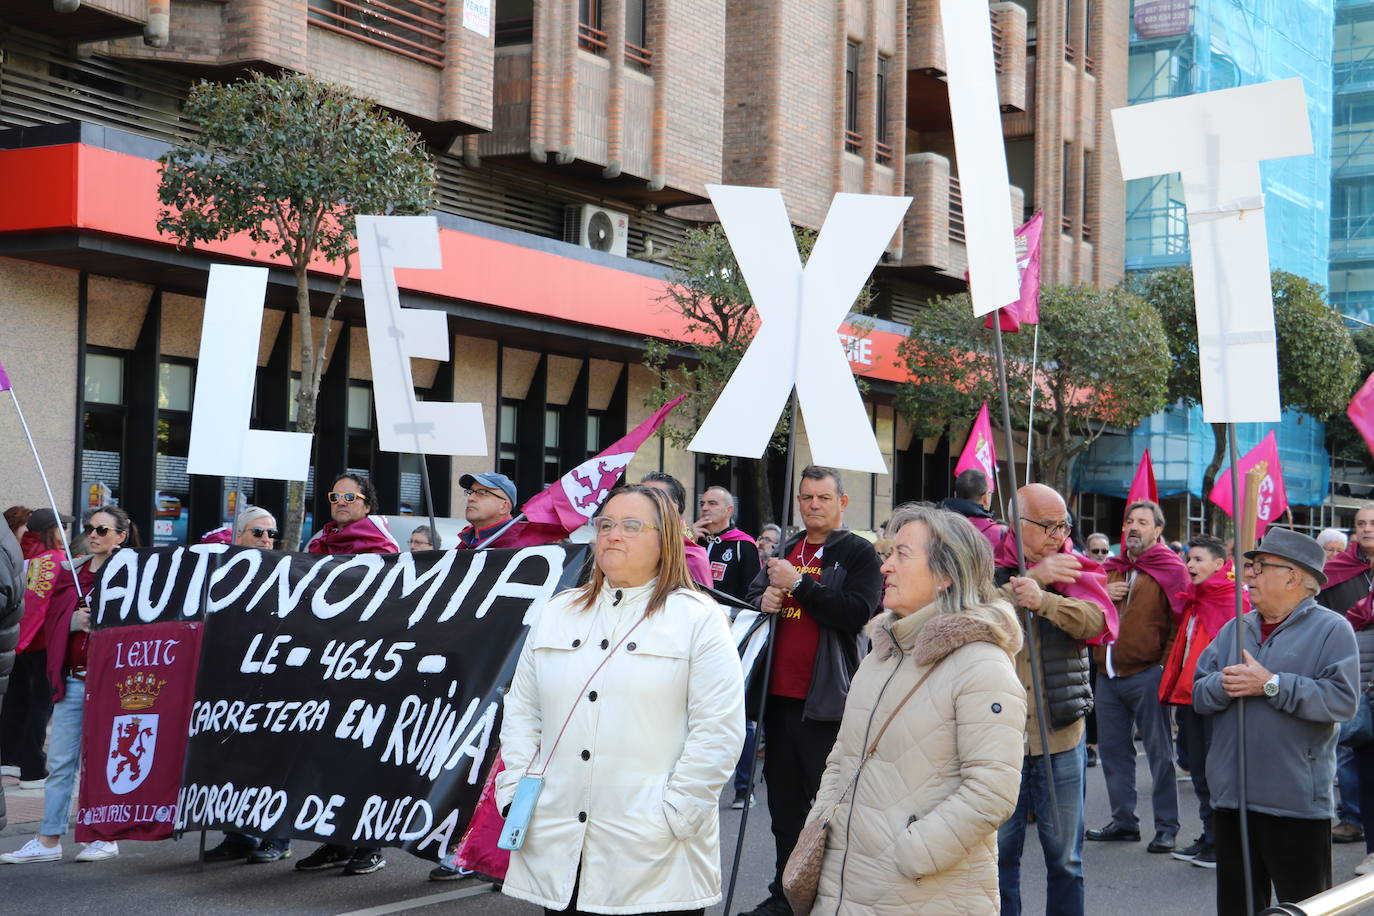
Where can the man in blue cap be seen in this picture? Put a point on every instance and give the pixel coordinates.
(491, 500)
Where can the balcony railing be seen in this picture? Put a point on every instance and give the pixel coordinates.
(594, 40)
(411, 28)
(883, 153)
(956, 212)
(852, 141)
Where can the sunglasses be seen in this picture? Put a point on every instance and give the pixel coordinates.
(1100, 552)
(100, 530)
(335, 496)
(259, 532)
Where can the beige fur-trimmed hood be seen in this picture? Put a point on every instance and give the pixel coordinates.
(936, 636)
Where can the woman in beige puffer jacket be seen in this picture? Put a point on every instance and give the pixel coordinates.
(917, 833)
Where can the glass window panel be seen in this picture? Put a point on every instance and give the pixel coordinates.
(359, 407)
(171, 513)
(551, 428)
(104, 378)
(593, 433)
(174, 386)
(507, 424)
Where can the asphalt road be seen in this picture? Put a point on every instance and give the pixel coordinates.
(150, 879)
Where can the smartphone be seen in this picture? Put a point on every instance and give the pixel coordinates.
(521, 810)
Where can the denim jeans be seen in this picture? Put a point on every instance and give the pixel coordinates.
(746, 757)
(1063, 847)
(1348, 778)
(64, 758)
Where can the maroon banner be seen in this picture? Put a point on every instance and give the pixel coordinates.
(140, 685)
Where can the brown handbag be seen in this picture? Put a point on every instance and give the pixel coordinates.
(801, 876)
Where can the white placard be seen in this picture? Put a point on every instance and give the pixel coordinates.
(1216, 140)
(396, 335)
(799, 311)
(477, 16)
(979, 149)
(221, 441)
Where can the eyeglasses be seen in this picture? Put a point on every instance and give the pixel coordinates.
(1259, 566)
(478, 491)
(631, 526)
(259, 532)
(1050, 528)
(100, 530)
(336, 496)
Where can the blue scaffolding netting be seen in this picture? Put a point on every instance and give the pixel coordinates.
(1220, 44)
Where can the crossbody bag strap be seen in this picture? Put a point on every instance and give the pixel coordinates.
(873, 745)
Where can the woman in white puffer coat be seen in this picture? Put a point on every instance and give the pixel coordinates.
(633, 753)
(917, 832)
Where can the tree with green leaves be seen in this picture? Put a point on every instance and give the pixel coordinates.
(1318, 362)
(1342, 439)
(290, 163)
(1102, 363)
(706, 289)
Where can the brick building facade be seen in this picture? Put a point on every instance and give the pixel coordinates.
(539, 112)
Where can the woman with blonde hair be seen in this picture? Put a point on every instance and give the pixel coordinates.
(628, 704)
(915, 791)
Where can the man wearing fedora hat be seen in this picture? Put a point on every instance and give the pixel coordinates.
(1296, 676)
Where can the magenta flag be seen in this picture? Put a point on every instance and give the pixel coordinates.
(1273, 496)
(4, 379)
(1360, 411)
(571, 500)
(1144, 486)
(978, 450)
(1025, 310)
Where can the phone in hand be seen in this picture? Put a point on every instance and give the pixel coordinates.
(521, 811)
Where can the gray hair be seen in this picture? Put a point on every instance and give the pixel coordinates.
(1095, 535)
(1310, 583)
(1330, 535)
(248, 516)
(959, 553)
(729, 497)
(776, 529)
(821, 472)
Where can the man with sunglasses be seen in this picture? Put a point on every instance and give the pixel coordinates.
(1099, 546)
(1297, 676)
(1066, 594)
(1149, 584)
(352, 529)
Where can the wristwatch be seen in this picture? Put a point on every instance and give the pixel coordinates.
(796, 585)
(1271, 686)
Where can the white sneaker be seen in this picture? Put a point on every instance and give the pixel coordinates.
(33, 851)
(98, 851)
(9, 771)
(32, 783)
(1366, 865)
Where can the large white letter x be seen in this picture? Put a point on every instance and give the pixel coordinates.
(799, 309)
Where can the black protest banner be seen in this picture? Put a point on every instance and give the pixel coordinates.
(350, 699)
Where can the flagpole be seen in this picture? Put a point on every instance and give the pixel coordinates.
(1030, 419)
(47, 489)
(1237, 513)
(1028, 619)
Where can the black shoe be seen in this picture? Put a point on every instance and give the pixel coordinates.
(228, 851)
(1207, 858)
(270, 851)
(327, 856)
(1163, 842)
(1092, 756)
(1114, 834)
(773, 906)
(364, 862)
(448, 870)
(1189, 852)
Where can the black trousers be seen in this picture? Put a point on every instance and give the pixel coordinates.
(793, 763)
(1290, 853)
(572, 910)
(24, 716)
(1195, 731)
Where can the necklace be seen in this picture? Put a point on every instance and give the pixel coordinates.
(801, 555)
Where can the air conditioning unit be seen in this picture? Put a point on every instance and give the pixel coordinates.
(597, 228)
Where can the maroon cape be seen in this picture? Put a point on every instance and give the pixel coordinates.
(1090, 586)
(1214, 601)
(368, 534)
(57, 625)
(1345, 565)
(1161, 564)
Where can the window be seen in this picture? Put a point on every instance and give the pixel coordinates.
(852, 138)
(360, 437)
(1087, 173)
(172, 499)
(104, 379)
(505, 435)
(590, 36)
(882, 150)
(412, 28)
(553, 421)
(102, 429)
(594, 425)
(635, 35)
